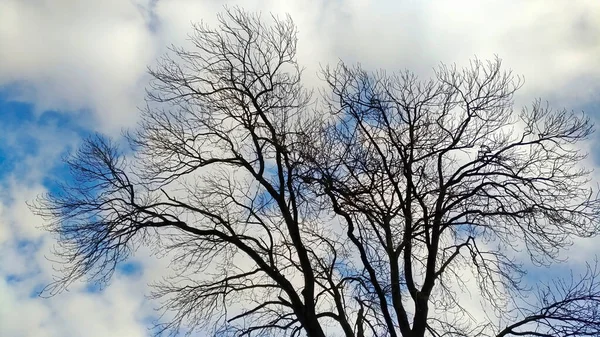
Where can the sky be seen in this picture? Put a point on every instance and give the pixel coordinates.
(71, 68)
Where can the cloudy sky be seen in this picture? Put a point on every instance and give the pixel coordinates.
(72, 67)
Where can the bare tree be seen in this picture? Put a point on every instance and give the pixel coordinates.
(361, 215)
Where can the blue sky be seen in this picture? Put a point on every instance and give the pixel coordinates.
(72, 68)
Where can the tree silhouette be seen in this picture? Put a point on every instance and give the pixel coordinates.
(363, 213)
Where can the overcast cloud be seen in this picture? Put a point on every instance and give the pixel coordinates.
(80, 66)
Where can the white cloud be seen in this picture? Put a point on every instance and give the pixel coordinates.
(92, 55)
(74, 55)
